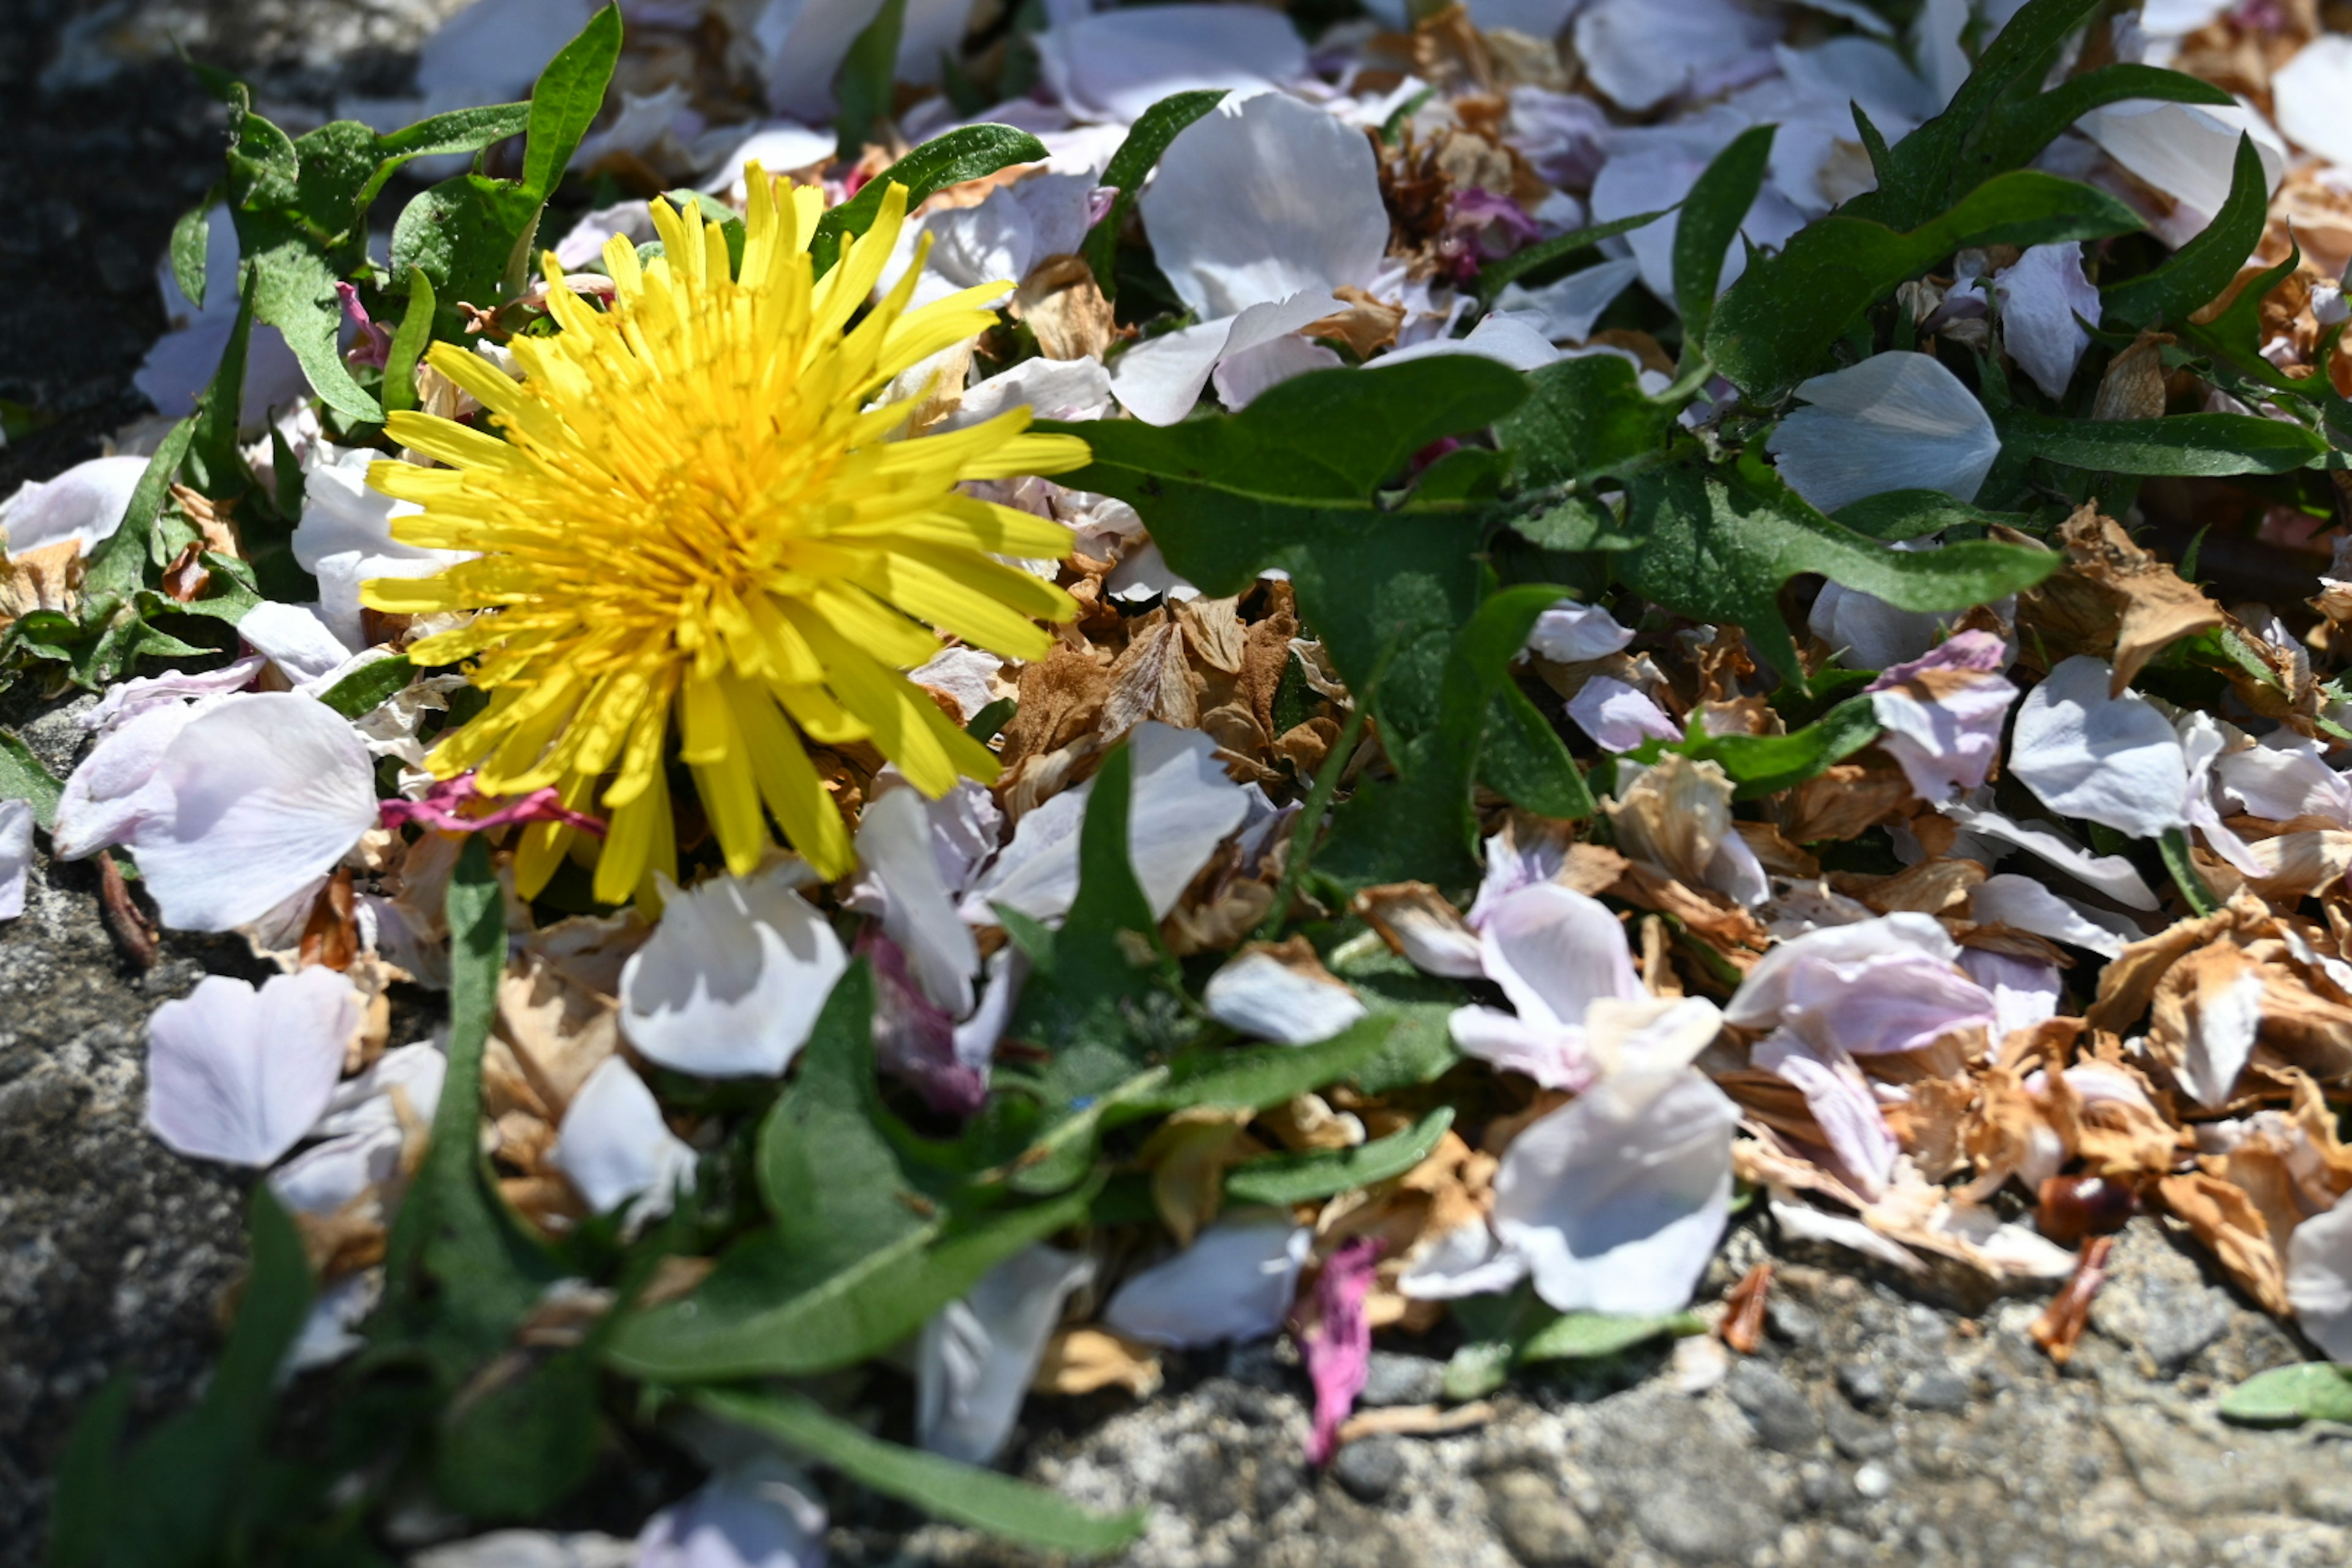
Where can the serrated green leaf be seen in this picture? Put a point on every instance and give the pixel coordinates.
(24, 777)
(1716, 544)
(959, 1493)
(2194, 276)
(294, 291)
(1137, 156)
(2202, 446)
(1711, 216)
(1311, 1175)
(190, 245)
(370, 686)
(1524, 760)
(2012, 140)
(1897, 515)
(1576, 1336)
(2287, 1396)
(567, 98)
(116, 566)
(464, 235)
(1928, 169)
(1762, 765)
(970, 152)
(868, 79)
(1781, 320)
(409, 341)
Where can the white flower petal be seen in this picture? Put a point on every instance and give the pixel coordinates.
(1159, 381)
(494, 49)
(1552, 1054)
(238, 1075)
(893, 842)
(732, 980)
(1258, 994)
(806, 41)
(328, 1177)
(344, 538)
(2319, 1279)
(84, 504)
(1240, 377)
(114, 789)
(269, 791)
(1896, 421)
(1571, 633)
(1842, 1104)
(2188, 151)
(2023, 993)
(1262, 198)
(1641, 53)
(614, 1146)
(1618, 1198)
(2041, 294)
(756, 1515)
(1619, 717)
(1556, 952)
(2284, 778)
(2221, 1027)
(1182, 808)
(777, 146)
(2110, 760)
(2023, 904)
(1234, 1282)
(963, 673)
(1886, 985)
(1571, 307)
(2110, 874)
(2309, 93)
(294, 638)
(16, 855)
(1049, 388)
(1469, 1260)
(1115, 65)
(975, 1360)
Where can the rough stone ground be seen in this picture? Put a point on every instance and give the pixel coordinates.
(1875, 1426)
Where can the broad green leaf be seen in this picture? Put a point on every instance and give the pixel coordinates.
(1088, 998)
(465, 234)
(370, 686)
(1584, 419)
(1717, 545)
(525, 1443)
(409, 341)
(1258, 1078)
(2203, 446)
(1314, 1174)
(116, 566)
(970, 152)
(959, 1493)
(1582, 1335)
(1137, 156)
(1524, 760)
(1778, 322)
(458, 131)
(1537, 256)
(460, 1273)
(2287, 1396)
(191, 242)
(1711, 216)
(868, 79)
(1897, 515)
(2194, 276)
(24, 777)
(566, 99)
(294, 291)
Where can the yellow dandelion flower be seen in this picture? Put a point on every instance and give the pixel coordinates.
(689, 514)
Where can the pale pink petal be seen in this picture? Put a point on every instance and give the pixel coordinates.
(16, 855)
(268, 792)
(1552, 1054)
(1555, 952)
(239, 1075)
(756, 1515)
(1618, 1198)
(114, 789)
(1336, 1342)
(1571, 633)
(2110, 760)
(893, 843)
(1843, 1106)
(1257, 995)
(84, 504)
(1618, 717)
(1115, 65)
(2023, 993)
(1887, 985)
(2041, 294)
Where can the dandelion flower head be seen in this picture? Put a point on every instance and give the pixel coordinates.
(689, 516)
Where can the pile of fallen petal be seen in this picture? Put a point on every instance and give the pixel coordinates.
(1950, 937)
